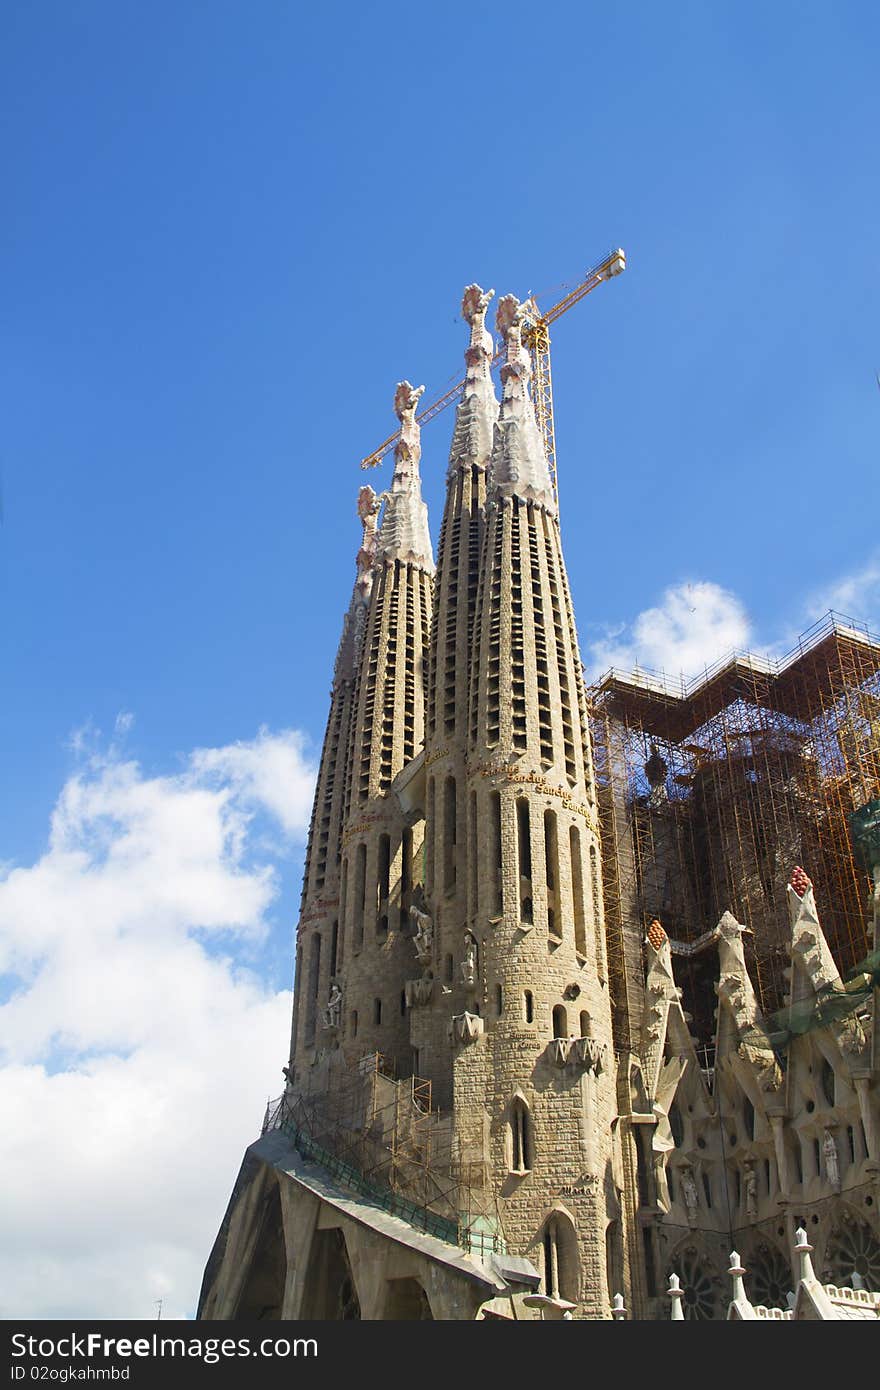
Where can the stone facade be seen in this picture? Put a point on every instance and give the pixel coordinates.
(481, 1119)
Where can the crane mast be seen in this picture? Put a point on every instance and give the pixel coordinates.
(536, 337)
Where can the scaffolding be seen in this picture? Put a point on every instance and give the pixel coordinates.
(710, 791)
(380, 1138)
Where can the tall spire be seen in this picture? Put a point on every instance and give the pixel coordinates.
(478, 409)
(404, 532)
(519, 464)
(351, 642)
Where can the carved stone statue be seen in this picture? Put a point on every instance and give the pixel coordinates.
(689, 1191)
(832, 1163)
(750, 1188)
(661, 1184)
(469, 964)
(333, 1011)
(423, 941)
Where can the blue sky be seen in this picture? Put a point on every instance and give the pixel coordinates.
(230, 230)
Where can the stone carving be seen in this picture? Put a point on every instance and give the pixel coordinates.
(467, 1027)
(351, 642)
(423, 941)
(469, 964)
(418, 992)
(832, 1162)
(661, 1183)
(478, 408)
(750, 1189)
(333, 1011)
(817, 969)
(368, 507)
(404, 533)
(591, 1054)
(519, 463)
(559, 1050)
(689, 1192)
(734, 988)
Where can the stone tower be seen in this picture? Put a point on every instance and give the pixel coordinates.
(533, 1089)
(319, 943)
(449, 873)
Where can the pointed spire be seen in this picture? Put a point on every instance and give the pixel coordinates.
(519, 464)
(478, 409)
(404, 532)
(348, 654)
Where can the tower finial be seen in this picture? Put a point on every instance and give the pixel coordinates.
(519, 464)
(474, 303)
(408, 449)
(404, 532)
(368, 506)
(350, 644)
(478, 409)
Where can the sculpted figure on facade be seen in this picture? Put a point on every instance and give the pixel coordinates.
(830, 1157)
(423, 941)
(689, 1192)
(750, 1189)
(469, 964)
(333, 1011)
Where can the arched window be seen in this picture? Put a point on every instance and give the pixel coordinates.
(449, 833)
(314, 985)
(475, 881)
(529, 1006)
(360, 893)
(551, 858)
(560, 1021)
(577, 891)
(406, 853)
(586, 1025)
(560, 1258)
(496, 860)
(598, 920)
(524, 845)
(431, 826)
(521, 1137)
(383, 879)
(377, 1011)
(499, 1000)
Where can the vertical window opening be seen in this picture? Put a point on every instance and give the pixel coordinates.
(524, 846)
(406, 851)
(497, 881)
(551, 857)
(577, 891)
(360, 894)
(449, 833)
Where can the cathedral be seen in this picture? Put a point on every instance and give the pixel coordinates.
(586, 977)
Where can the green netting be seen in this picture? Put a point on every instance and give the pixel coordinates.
(864, 828)
(831, 1004)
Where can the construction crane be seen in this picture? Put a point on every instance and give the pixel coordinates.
(536, 337)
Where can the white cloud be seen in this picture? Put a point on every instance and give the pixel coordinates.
(692, 626)
(137, 1048)
(854, 595)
